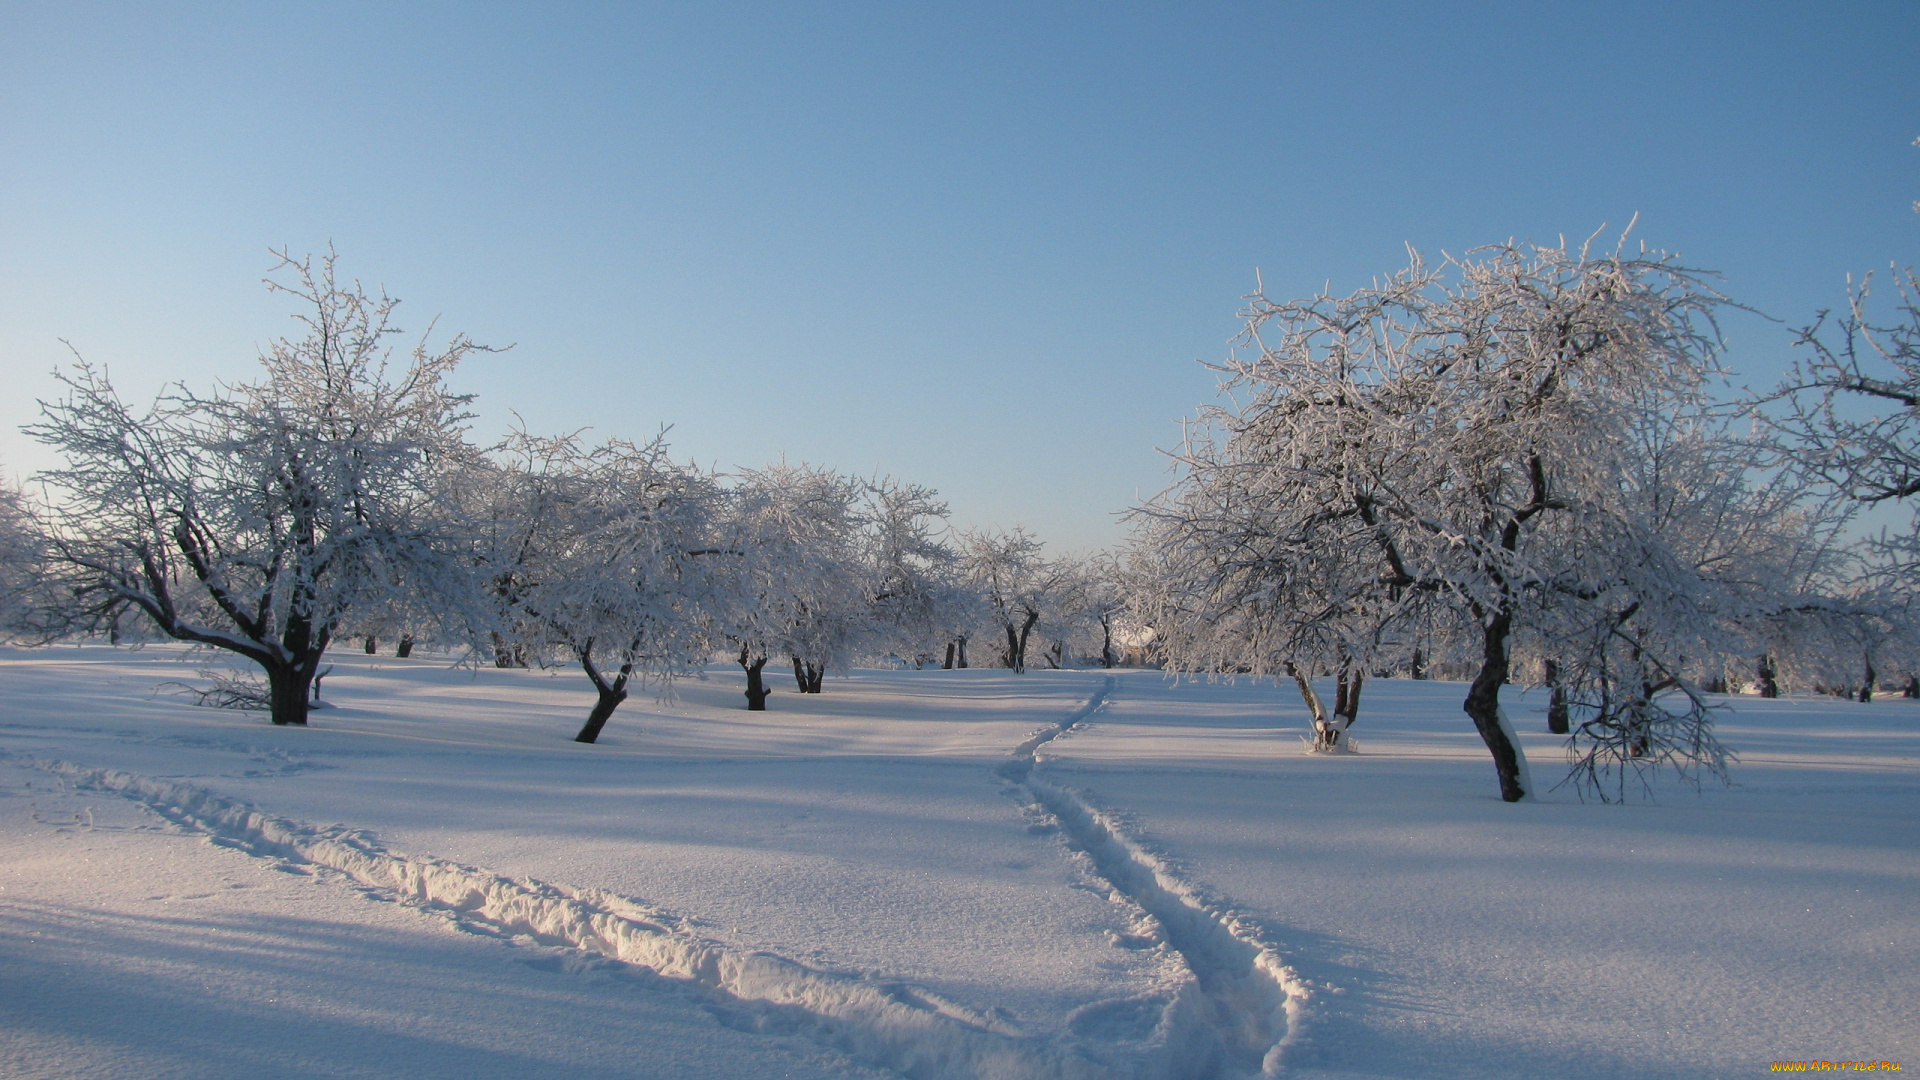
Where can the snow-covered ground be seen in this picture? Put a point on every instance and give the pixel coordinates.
(929, 874)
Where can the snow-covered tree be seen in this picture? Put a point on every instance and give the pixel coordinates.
(1104, 607)
(1848, 413)
(1265, 554)
(618, 573)
(1851, 406)
(910, 569)
(1016, 584)
(790, 555)
(1457, 447)
(1846, 421)
(1081, 611)
(23, 568)
(260, 517)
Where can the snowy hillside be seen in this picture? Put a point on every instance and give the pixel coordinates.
(937, 874)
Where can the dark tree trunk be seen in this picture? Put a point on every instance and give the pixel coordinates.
(1346, 697)
(1866, 688)
(1483, 706)
(1419, 664)
(1107, 659)
(807, 676)
(1017, 640)
(948, 666)
(963, 650)
(1769, 677)
(1558, 722)
(608, 701)
(1913, 687)
(611, 691)
(406, 647)
(756, 687)
(373, 645)
(289, 688)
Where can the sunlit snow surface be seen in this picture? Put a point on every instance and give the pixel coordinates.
(879, 885)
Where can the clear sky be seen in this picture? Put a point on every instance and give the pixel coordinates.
(979, 246)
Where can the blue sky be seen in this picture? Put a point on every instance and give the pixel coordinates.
(978, 246)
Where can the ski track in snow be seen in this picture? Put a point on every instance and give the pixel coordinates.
(1245, 1007)
(1237, 1015)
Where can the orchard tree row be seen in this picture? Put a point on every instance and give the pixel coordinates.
(340, 498)
(1527, 465)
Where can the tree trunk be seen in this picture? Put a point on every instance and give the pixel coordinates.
(1769, 677)
(808, 675)
(1330, 729)
(406, 647)
(288, 684)
(1483, 706)
(1326, 730)
(1017, 642)
(756, 688)
(1347, 698)
(1913, 687)
(1307, 694)
(1419, 664)
(609, 700)
(963, 650)
(948, 666)
(1866, 688)
(288, 690)
(611, 693)
(1106, 643)
(1558, 722)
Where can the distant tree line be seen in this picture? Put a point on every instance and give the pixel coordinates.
(1518, 466)
(340, 497)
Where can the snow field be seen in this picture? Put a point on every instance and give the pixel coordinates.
(916, 1034)
(1447, 935)
(133, 947)
(936, 874)
(910, 875)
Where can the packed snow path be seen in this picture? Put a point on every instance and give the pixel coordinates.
(1244, 1006)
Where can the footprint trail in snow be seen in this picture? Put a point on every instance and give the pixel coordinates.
(1244, 1007)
